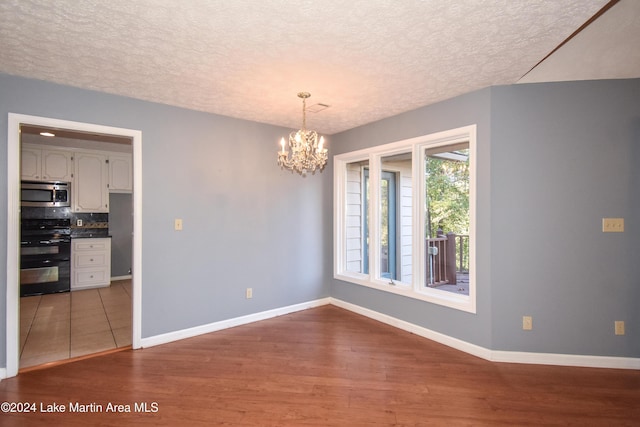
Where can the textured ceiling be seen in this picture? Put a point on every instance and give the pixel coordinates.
(367, 59)
(608, 48)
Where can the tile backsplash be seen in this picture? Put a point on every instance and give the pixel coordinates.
(89, 218)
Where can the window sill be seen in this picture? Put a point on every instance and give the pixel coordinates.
(444, 298)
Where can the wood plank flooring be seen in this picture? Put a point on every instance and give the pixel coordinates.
(320, 367)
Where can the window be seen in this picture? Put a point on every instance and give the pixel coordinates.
(412, 233)
(356, 201)
(388, 225)
(395, 218)
(447, 217)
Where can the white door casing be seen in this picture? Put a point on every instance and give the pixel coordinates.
(13, 226)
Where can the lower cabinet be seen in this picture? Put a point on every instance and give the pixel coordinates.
(90, 263)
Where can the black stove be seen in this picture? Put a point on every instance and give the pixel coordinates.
(45, 256)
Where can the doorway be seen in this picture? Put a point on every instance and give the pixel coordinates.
(13, 224)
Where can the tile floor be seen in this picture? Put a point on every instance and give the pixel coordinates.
(62, 326)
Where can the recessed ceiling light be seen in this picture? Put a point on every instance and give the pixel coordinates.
(47, 134)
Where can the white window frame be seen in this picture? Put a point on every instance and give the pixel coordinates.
(375, 173)
(417, 146)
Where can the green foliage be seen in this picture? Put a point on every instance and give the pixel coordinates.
(384, 213)
(447, 184)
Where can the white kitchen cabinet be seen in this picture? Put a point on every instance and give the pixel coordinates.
(90, 185)
(120, 173)
(43, 164)
(90, 263)
(93, 174)
(31, 164)
(57, 165)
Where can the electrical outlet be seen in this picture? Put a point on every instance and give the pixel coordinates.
(527, 323)
(619, 327)
(613, 225)
(249, 293)
(177, 225)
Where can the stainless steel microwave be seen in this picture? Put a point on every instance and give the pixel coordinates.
(45, 194)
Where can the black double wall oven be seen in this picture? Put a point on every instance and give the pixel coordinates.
(45, 239)
(45, 256)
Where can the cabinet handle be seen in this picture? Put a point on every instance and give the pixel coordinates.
(91, 260)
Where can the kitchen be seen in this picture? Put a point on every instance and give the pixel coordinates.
(76, 240)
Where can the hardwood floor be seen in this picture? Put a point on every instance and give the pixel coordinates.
(320, 367)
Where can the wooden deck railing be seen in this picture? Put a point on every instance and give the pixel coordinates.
(462, 253)
(446, 255)
(437, 262)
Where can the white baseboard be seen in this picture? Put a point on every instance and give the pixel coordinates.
(578, 360)
(229, 323)
(125, 277)
(3, 373)
(415, 329)
(496, 355)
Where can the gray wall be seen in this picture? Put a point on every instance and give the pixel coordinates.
(553, 160)
(246, 222)
(121, 231)
(564, 156)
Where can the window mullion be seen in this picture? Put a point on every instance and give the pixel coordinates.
(339, 203)
(374, 217)
(419, 215)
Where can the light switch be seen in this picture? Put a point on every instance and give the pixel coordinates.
(177, 224)
(612, 225)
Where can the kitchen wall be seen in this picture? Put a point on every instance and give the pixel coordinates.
(246, 222)
(121, 231)
(553, 160)
(120, 216)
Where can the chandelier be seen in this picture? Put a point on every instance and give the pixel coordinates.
(307, 153)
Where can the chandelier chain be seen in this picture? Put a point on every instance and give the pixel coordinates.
(304, 113)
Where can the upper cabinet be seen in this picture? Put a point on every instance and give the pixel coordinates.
(44, 164)
(90, 187)
(93, 174)
(57, 165)
(31, 160)
(120, 173)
